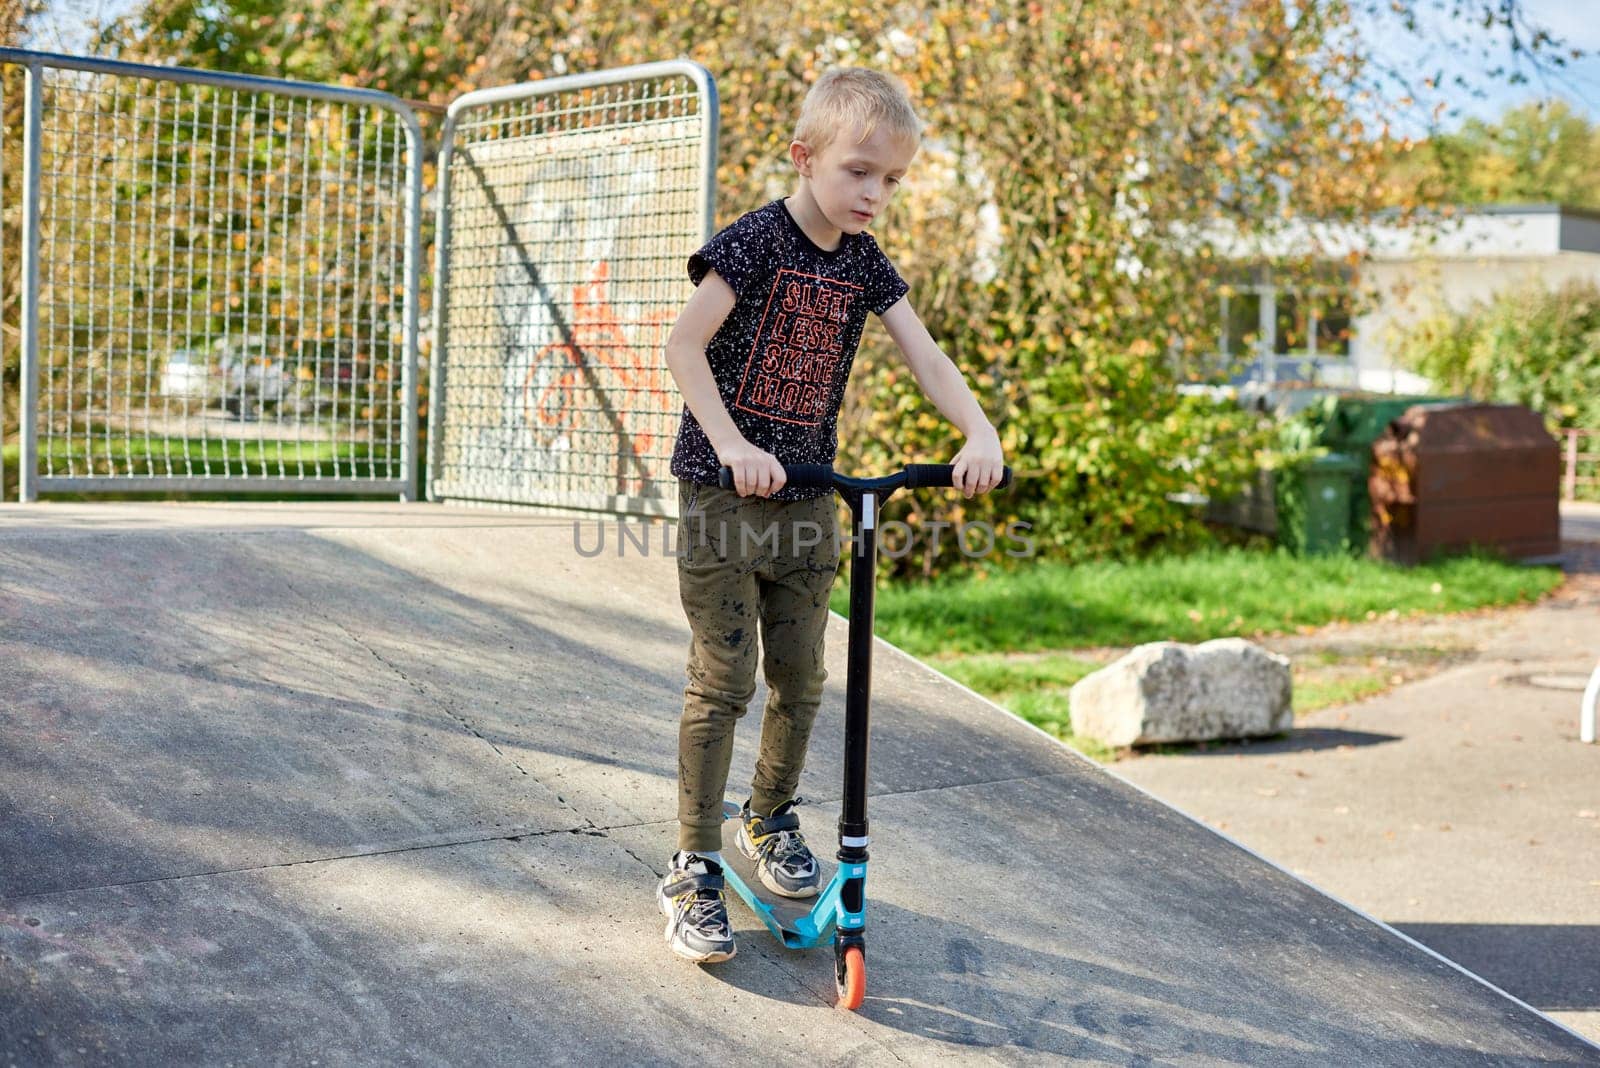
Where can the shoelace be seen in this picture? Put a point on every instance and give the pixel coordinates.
(787, 846)
(701, 910)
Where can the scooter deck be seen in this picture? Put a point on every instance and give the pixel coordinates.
(786, 911)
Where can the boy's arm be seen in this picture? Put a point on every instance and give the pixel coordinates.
(754, 470)
(980, 463)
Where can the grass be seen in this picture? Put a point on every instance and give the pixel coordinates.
(133, 451)
(1023, 638)
(996, 674)
(222, 457)
(1049, 606)
(1312, 694)
(1034, 687)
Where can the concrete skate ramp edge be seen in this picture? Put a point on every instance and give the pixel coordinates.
(394, 783)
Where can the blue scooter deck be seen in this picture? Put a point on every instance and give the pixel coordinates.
(786, 911)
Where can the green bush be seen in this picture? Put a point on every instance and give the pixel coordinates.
(1530, 345)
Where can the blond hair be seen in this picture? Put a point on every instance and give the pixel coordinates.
(847, 97)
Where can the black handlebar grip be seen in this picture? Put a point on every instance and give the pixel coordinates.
(809, 476)
(919, 476)
(813, 476)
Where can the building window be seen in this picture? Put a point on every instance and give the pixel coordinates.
(1241, 321)
(1330, 334)
(1257, 317)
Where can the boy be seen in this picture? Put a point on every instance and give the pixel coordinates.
(761, 353)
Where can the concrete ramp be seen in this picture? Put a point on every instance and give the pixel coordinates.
(392, 784)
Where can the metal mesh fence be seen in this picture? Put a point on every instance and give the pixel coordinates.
(568, 210)
(224, 283)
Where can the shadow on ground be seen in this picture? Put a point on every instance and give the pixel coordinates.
(1303, 739)
(1555, 967)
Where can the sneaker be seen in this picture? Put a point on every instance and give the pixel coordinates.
(697, 916)
(783, 861)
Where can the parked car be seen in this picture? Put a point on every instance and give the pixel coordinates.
(321, 379)
(252, 374)
(186, 376)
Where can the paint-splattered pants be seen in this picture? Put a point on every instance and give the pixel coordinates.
(747, 564)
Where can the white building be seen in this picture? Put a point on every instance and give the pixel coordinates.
(1412, 272)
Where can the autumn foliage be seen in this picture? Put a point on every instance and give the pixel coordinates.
(1535, 152)
(1073, 153)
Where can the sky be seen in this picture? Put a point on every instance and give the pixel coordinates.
(1451, 51)
(1470, 52)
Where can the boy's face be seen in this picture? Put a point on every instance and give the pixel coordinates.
(853, 180)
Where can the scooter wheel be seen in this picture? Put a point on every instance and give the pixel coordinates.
(850, 979)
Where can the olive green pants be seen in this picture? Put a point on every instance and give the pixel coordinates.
(747, 564)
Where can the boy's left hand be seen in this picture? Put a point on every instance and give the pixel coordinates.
(979, 466)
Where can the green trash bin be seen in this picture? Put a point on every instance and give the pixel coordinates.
(1345, 424)
(1319, 522)
(1355, 423)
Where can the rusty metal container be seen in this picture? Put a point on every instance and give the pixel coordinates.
(1448, 479)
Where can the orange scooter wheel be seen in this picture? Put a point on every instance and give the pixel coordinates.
(851, 979)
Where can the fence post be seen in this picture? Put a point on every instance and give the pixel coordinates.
(410, 465)
(1569, 491)
(33, 105)
(432, 464)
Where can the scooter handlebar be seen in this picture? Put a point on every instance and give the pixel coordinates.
(806, 476)
(919, 476)
(821, 476)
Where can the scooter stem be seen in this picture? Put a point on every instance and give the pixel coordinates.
(864, 508)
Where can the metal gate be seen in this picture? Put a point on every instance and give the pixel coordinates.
(567, 210)
(219, 282)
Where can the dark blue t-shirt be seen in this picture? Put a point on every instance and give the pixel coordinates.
(782, 357)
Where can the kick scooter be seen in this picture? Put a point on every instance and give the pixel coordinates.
(840, 909)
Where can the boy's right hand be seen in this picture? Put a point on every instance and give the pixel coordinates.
(754, 470)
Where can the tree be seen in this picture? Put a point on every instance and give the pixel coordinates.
(1528, 345)
(1073, 152)
(1536, 152)
(14, 18)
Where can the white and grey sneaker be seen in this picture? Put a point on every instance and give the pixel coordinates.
(691, 897)
(783, 860)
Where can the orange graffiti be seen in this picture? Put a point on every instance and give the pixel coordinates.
(599, 381)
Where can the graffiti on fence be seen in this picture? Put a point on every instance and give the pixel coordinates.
(584, 391)
(599, 380)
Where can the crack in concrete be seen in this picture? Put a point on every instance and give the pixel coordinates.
(443, 703)
(951, 786)
(514, 837)
(870, 796)
(651, 868)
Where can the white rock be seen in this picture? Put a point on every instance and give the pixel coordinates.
(1171, 692)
